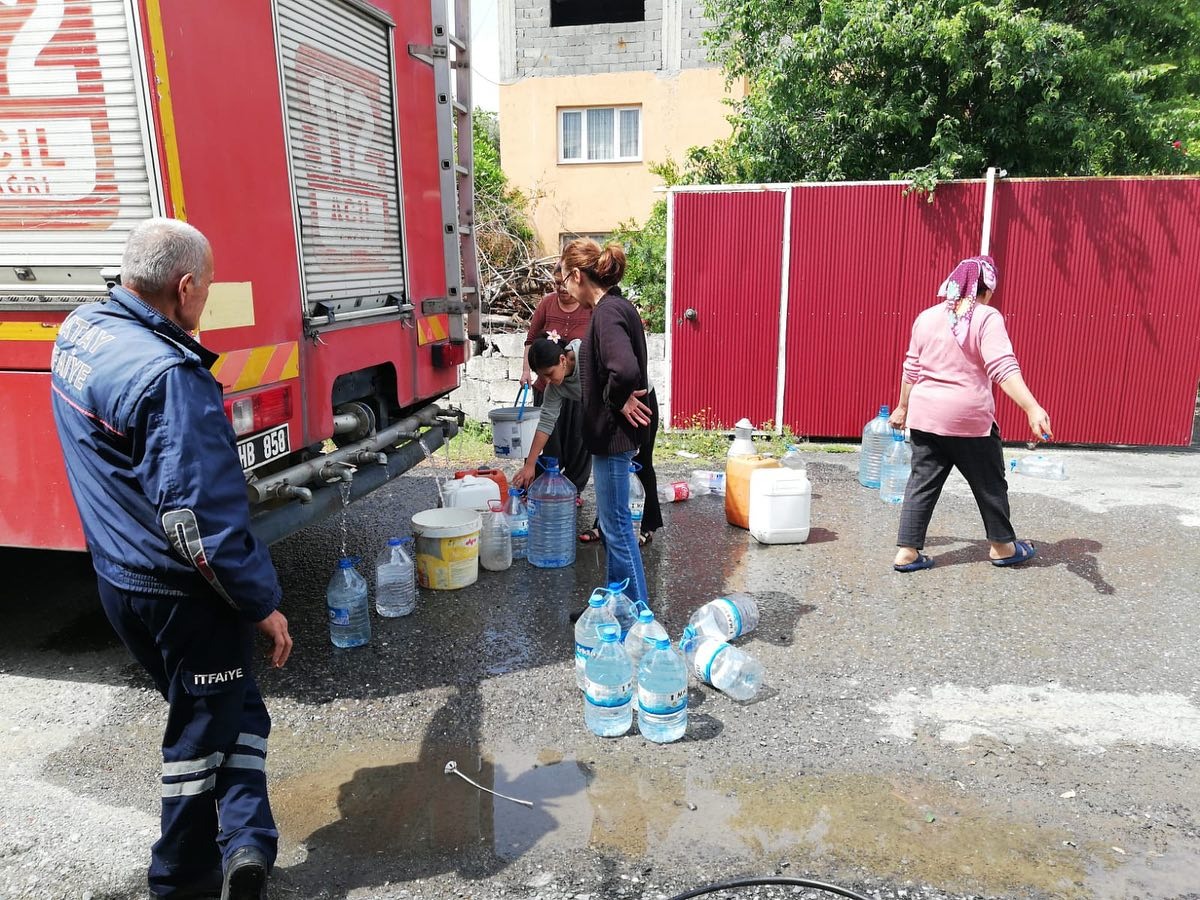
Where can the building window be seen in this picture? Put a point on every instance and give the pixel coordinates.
(600, 134)
(595, 12)
(565, 237)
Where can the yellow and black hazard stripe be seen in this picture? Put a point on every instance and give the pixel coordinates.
(239, 370)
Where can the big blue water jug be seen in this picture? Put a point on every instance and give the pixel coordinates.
(551, 518)
(876, 440)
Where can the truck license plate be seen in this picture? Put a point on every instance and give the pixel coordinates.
(263, 447)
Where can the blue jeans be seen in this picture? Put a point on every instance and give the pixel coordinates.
(610, 474)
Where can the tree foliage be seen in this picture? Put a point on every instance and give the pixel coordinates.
(646, 255)
(503, 232)
(940, 89)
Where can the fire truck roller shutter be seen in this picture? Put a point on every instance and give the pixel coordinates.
(75, 138)
(338, 79)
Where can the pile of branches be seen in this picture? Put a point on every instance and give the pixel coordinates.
(512, 290)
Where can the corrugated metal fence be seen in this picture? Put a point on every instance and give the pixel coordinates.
(1099, 290)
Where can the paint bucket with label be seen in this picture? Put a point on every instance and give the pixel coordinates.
(447, 548)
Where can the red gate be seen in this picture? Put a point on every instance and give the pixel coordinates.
(1094, 278)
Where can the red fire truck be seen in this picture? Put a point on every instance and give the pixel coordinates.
(313, 142)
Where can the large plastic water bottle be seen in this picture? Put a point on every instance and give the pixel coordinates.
(395, 580)
(876, 439)
(714, 481)
(518, 522)
(637, 499)
(621, 606)
(1040, 465)
(551, 518)
(346, 600)
(608, 686)
(732, 671)
(726, 618)
(596, 614)
(495, 540)
(894, 472)
(662, 689)
(644, 631)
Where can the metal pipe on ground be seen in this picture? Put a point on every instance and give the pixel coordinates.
(271, 524)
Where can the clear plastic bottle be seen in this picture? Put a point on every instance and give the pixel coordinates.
(1039, 465)
(714, 481)
(876, 439)
(395, 579)
(732, 671)
(346, 601)
(608, 686)
(551, 518)
(495, 541)
(518, 522)
(597, 613)
(726, 618)
(894, 472)
(642, 632)
(662, 689)
(637, 499)
(621, 606)
(674, 491)
(793, 460)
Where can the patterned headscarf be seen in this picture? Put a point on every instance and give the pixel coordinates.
(962, 283)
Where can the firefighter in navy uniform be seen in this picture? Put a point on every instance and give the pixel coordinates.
(154, 471)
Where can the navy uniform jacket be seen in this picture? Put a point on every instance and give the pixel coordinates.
(152, 460)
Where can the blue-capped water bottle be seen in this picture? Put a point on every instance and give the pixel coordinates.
(395, 579)
(346, 601)
(662, 688)
(644, 632)
(728, 618)
(621, 605)
(637, 499)
(608, 685)
(551, 518)
(713, 661)
(518, 522)
(597, 613)
(876, 439)
(895, 470)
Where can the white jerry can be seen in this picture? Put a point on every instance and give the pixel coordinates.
(780, 505)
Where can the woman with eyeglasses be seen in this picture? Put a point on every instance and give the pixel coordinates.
(563, 316)
(618, 405)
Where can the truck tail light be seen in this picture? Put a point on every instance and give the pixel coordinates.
(260, 410)
(241, 415)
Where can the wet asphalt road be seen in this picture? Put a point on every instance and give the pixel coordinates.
(965, 731)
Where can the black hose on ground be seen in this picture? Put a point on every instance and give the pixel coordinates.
(772, 880)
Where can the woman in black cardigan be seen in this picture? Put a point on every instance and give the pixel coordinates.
(614, 383)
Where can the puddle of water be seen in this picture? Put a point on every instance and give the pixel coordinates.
(362, 807)
(1150, 874)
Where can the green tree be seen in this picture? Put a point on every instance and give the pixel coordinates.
(503, 232)
(939, 89)
(646, 255)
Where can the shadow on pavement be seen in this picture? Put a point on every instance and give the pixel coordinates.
(1078, 555)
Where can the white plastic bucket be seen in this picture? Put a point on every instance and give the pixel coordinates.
(510, 437)
(447, 548)
(780, 506)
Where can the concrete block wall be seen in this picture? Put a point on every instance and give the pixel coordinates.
(542, 51)
(494, 379)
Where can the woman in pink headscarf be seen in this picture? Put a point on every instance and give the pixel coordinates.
(959, 349)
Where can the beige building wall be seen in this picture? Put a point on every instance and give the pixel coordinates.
(679, 111)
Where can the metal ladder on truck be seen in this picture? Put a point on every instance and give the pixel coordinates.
(456, 162)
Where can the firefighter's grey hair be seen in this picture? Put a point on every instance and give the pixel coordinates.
(159, 252)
